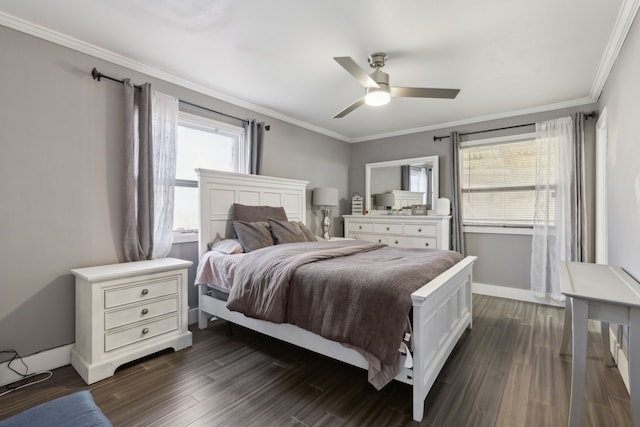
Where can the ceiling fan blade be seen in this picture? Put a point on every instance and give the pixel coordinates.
(423, 92)
(349, 109)
(352, 68)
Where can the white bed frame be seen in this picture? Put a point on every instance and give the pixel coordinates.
(441, 308)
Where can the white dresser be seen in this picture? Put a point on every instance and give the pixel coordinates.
(126, 311)
(418, 231)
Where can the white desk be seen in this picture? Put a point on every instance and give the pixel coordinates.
(608, 294)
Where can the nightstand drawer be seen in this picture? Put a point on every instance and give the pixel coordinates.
(117, 318)
(420, 230)
(388, 228)
(140, 292)
(114, 340)
(358, 227)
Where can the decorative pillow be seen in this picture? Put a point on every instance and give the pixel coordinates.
(253, 235)
(257, 213)
(226, 246)
(290, 232)
(307, 233)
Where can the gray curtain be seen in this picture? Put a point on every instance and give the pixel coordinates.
(579, 238)
(139, 194)
(405, 177)
(255, 132)
(151, 120)
(457, 238)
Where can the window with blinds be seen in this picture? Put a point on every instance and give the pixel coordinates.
(498, 181)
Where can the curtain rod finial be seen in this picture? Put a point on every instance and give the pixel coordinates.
(96, 74)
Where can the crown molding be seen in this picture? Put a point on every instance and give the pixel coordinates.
(107, 55)
(623, 23)
(479, 119)
(621, 28)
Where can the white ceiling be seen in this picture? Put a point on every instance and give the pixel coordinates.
(508, 57)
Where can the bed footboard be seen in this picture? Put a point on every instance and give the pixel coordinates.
(441, 313)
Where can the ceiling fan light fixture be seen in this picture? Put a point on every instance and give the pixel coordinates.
(377, 97)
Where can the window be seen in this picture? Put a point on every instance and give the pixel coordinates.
(208, 144)
(498, 179)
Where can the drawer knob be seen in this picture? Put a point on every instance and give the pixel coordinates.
(146, 310)
(387, 228)
(145, 291)
(359, 227)
(379, 240)
(396, 242)
(145, 331)
(426, 244)
(419, 230)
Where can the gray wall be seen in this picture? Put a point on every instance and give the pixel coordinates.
(620, 97)
(61, 163)
(503, 260)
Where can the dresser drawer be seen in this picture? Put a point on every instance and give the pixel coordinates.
(360, 227)
(114, 340)
(117, 318)
(374, 238)
(418, 242)
(387, 228)
(141, 291)
(420, 230)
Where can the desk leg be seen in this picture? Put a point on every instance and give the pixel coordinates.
(580, 313)
(634, 364)
(565, 344)
(606, 345)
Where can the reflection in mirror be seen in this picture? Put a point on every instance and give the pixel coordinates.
(397, 184)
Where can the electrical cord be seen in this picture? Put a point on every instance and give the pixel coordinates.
(25, 381)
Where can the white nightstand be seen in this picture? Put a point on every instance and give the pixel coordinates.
(127, 311)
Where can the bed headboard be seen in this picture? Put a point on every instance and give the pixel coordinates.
(218, 191)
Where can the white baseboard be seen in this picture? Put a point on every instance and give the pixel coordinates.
(61, 356)
(51, 359)
(512, 293)
(618, 355)
(193, 316)
(43, 361)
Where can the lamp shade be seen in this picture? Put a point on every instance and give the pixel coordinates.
(325, 196)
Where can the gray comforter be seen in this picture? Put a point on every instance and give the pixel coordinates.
(353, 292)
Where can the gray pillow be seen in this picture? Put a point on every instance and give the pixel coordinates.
(286, 232)
(257, 213)
(307, 233)
(253, 235)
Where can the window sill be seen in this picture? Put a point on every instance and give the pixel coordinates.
(497, 230)
(185, 236)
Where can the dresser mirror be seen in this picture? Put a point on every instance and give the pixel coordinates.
(396, 184)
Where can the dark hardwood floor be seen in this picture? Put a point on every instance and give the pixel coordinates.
(504, 372)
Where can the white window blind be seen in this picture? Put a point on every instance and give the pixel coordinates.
(208, 144)
(498, 182)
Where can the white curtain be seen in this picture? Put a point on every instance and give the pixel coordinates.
(552, 225)
(164, 110)
(150, 120)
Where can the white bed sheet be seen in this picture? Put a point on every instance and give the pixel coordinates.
(218, 269)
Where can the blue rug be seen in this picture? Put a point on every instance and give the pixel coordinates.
(77, 410)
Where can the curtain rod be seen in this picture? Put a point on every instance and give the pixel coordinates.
(587, 116)
(97, 75)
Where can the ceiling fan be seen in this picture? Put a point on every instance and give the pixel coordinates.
(376, 85)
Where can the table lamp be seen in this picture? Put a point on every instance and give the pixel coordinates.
(325, 197)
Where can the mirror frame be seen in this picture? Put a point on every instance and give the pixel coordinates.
(433, 160)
